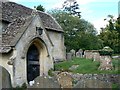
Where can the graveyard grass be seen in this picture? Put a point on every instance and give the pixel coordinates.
(87, 66)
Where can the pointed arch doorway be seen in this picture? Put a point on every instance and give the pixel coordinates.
(33, 65)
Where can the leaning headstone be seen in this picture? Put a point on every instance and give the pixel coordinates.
(73, 52)
(65, 80)
(69, 56)
(5, 80)
(106, 63)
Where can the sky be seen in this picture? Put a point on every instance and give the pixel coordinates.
(94, 11)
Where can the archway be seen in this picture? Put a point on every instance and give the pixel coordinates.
(33, 66)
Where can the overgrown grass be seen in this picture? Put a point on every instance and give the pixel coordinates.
(116, 65)
(115, 87)
(86, 66)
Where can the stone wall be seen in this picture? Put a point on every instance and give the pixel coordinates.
(89, 80)
(113, 78)
(59, 51)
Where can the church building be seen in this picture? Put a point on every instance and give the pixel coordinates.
(31, 42)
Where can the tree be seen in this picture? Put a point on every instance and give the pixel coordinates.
(110, 34)
(72, 7)
(117, 25)
(78, 33)
(40, 8)
(111, 22)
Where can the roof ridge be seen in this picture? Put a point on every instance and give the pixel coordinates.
(51, 17)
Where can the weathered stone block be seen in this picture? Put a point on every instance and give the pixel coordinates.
(65, 80)
(106, 63)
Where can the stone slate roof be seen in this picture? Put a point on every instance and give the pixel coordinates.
(20, 17)
(13, 33)
(15, 30)
(11, 11)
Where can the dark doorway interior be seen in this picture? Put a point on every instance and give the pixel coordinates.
(33, 67)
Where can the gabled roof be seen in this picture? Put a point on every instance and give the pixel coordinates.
(20, 18)
(13, 33)
(11, 11)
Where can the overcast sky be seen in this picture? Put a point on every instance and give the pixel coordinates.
(93, 11)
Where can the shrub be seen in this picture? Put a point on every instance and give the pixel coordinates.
(106, 51)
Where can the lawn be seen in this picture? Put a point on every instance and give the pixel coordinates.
(86, 66)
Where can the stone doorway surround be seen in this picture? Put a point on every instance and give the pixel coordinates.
(43, 54)
(33, 66)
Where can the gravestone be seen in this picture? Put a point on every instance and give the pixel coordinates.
(106, 63)
(79, 53)
(65, 80)
(96, 56)
(73, 67)
(44, 82)
(69, 56)
(88, 54)
(73, 52)
(5, 80)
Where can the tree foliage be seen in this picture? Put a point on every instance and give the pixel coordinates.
(117, 25)
(111, 34)
(40, 8)
(78, 33)
(72, 7)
